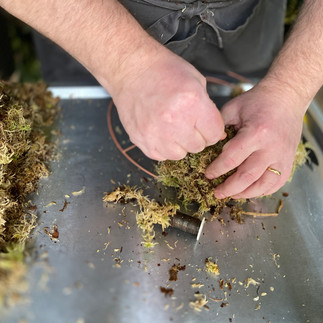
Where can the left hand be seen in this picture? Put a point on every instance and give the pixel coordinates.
(269, 123)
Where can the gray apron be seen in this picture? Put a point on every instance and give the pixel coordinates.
(216, 36)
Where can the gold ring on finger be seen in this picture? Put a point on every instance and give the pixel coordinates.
(275, 171)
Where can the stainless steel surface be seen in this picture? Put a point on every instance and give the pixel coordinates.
(77, 278)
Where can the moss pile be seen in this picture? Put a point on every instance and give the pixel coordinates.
(25, 112)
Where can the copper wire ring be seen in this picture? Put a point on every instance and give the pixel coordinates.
(124, 151)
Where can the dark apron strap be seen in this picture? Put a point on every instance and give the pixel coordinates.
(169, 23)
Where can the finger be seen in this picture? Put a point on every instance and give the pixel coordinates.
(285, 174)
(210, 123)
(247, 173)
(264, 184)
(150, 151)
(194, 143)
(172, 151)
(234, 153)
(223, 136)
(152, 154)
(229, 113)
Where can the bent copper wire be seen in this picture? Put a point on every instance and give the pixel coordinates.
(124, 151)
(239, 77)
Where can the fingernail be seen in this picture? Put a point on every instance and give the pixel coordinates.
(224, 136)
(219, 195)
(209, 175)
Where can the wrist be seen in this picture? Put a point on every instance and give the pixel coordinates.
(289, 94)
(129, 64)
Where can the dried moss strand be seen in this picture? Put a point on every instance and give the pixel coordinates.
(259, 213)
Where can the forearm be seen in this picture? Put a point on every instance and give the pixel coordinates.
(102, 35)
(298, 69)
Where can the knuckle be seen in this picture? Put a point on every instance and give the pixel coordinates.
(183, 103)
(262, 131)
(248, 177)
(229, 163)
(167, 116)
(191, 96)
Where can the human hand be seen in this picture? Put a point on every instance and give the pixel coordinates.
(165, 109)
(269, 123)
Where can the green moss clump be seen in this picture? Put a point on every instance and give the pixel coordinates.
(188, 177)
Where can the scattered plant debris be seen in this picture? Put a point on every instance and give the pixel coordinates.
(211, 267)
(167, 291)
(174, 270)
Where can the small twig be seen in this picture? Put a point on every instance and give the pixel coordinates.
(204, 197)
(280, 206)
(259, 213)
(216, 299)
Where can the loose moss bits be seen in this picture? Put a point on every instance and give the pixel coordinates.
(199, 303)
(150, 211)
(211, 267)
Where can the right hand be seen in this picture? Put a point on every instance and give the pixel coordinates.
(165, 109)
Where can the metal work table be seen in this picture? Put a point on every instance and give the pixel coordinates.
(78, 279)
